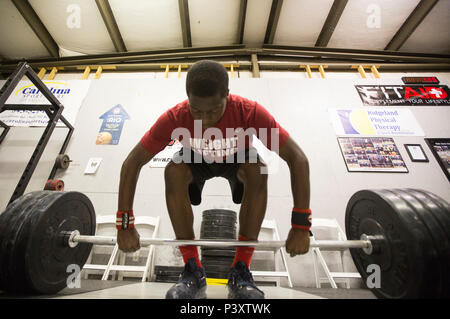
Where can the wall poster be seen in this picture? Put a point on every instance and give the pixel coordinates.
(371, 154)
(420, 95)
(441, 151)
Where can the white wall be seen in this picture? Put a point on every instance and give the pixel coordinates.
(299, 104)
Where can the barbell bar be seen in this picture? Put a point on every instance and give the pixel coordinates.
(74, 237)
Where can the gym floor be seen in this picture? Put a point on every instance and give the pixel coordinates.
(97, 289)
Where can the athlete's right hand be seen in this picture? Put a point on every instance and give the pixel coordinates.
(128, 240)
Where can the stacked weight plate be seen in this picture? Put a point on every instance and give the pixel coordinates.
(168, 273)
(218, 224)
(34, 259)
(414, 257)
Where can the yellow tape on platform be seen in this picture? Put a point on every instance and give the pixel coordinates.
(216, 281)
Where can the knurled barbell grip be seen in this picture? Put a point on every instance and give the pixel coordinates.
(74, 238)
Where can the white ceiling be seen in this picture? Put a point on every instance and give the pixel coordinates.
(92, 37)
(432, 35)
(213, 22)
(356, 31)
(155, 24)
(256, 19)
(300, 22)
(17, 39)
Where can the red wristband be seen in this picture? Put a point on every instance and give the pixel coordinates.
(124, 219)
(301, 218)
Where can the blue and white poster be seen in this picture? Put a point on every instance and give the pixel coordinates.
(112, 125)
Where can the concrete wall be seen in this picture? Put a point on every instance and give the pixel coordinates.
(299, 104)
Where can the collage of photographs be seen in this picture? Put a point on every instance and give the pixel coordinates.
(365, 154)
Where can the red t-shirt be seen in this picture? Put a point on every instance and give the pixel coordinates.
(233, 132)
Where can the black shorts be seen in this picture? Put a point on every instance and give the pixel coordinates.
(203, 171)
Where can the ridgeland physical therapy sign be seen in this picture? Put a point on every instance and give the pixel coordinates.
(70, 93)
(375, 122)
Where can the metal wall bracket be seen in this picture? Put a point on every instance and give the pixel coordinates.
(53, 110)
(5, 131)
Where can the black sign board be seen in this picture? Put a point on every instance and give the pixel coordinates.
(420, 80)
(441, 151)
(420, 95)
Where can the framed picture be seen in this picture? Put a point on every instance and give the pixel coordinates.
(416, 153)
(441, 151)
(371, 154)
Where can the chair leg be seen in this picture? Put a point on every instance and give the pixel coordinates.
(148, 263)
(88, 261)
(325, 267)
(283, 257)
(347, 281)
(122, 257)
(110, 262)
(316, 272)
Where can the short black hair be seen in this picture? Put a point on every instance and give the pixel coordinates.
(207, 78)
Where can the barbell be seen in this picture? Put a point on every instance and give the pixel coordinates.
(366, 243)
(406, 232)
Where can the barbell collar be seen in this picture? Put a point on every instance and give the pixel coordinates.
(74, 238)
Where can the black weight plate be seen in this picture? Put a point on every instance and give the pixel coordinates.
(217, 270)
(442, 230)
(163, 273)
(40, 255)
(217, 266)
(48, 257)
(10, 221)
(430, 274)
(62, 161)
(217, 259)
(219, 229)
(218, 253)
(219, 225)
(169, 268)
(216, 212)
(205, 248)
(401, 257)
(218, 275)
(217, 235)
(219, 215)
(168, 271)
(220, 220)
(439, 249)
(440, 209)
(216, 223)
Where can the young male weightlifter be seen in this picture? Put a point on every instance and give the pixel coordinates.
(229, 154)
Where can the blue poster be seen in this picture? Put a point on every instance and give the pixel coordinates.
(111, 129)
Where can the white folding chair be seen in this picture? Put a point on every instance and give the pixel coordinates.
(271, 225)
(331, 277)
(141, 222)
(106, 226)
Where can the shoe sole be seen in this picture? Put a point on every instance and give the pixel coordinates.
(201, 294)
